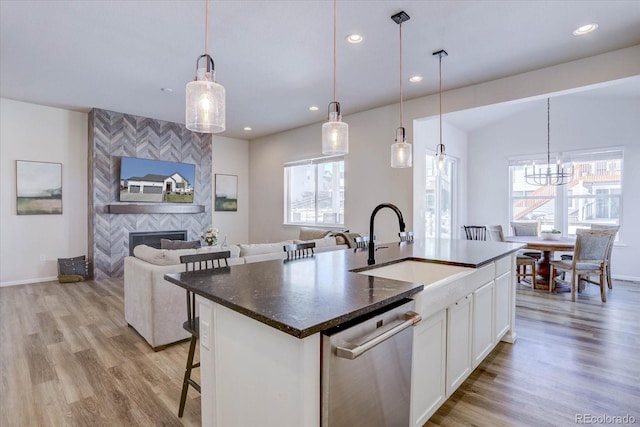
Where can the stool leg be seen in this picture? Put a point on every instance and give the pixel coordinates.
(187, 374)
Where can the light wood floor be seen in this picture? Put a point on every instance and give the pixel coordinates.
(67, 357)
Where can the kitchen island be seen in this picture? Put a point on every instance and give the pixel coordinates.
(261, 324)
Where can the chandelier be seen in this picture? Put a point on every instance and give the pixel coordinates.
(542, 177)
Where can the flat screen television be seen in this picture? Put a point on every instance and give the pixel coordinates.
(156, 181)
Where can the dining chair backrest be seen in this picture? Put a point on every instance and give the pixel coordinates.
(592, 245)
(495, 233)
(475, 232)
(205, 261)
(362, 241)
(299, 250)
(406, 236)
(525, 228)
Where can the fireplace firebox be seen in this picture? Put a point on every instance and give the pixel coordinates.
(152, 238)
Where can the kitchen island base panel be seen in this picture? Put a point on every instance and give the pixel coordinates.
(253, 374)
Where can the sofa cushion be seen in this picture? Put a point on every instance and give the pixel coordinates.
(263, 248)
(234, 249)
(312, 233)
(160, 256)
(179, 244)
(320, 243)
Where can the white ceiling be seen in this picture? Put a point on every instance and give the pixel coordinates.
(275, 57)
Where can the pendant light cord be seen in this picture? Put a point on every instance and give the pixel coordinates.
(334, 51)
(401, 105)
(440, 60)
(206, 27)
(548, 136)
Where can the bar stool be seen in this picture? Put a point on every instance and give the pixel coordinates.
(299, 250)
(206, 261)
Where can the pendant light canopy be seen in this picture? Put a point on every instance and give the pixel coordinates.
(543, 178)
(205, 106)
(335, 133)
(401, 155)
(440, 154)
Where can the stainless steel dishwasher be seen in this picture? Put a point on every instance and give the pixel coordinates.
(366, 369)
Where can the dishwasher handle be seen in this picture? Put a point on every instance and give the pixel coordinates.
(411, 318)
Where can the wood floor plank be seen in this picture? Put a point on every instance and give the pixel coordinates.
(68, 358)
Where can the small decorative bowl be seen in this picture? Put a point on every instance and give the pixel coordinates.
(550, 236)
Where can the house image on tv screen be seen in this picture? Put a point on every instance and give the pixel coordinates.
(172, 187)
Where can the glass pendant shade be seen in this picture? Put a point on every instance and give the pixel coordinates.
(335, 135)
(401, 151)
(441, 158)
(205, 105)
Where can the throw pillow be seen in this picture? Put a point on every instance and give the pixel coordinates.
(312, 233)
(351, 239)
(179, 244)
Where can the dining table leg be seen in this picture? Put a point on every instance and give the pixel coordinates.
(543, 269)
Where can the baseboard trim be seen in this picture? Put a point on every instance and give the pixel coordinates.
(626, 278)
(28, 281)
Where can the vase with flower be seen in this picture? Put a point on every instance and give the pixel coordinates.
(210, 236)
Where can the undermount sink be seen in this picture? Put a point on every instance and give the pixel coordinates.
(425, 273)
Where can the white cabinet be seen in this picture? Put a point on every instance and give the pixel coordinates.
(458, 343)
(483, 331)
(428, 367)
(502, 311)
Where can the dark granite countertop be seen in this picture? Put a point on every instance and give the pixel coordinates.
(309, 295)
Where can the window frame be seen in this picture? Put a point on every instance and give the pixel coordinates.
(315, 162)
(562, 199)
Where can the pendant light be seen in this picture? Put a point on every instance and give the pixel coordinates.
(440, 154)
(401, 156)
(538, 177)
(335, 133)
(205, 106)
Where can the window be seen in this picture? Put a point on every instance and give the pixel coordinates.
(594, 194)
(439, 213)
(314, 191)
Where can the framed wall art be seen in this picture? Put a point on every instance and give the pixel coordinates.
(226, 193)
(38, 188)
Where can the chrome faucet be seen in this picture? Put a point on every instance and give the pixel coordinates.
(372, 249)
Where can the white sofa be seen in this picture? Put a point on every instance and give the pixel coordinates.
(156, 308)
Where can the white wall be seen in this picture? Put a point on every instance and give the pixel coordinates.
(230, 157)
(37, 133)
(369, 178)
(578, 122)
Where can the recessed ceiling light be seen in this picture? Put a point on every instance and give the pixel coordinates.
(313, 108)
(415, 79)
(585, 29)
(355, 38)
(166, 89)
(247, 128)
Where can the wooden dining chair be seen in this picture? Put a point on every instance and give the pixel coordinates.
(527, 228)
(589, 258)
(196, 262)
(523, 261)
(475, 232)
(406, 236)
(608, 266)
(299, 250)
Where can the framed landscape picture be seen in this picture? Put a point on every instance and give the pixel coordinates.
(38, 188)
(226, 193)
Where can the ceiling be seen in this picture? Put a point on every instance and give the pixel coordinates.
(275, 57)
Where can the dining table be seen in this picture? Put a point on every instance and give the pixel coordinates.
(547, 247)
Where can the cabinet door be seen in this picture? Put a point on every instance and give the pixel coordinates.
(428, 369)
(458, 343)
(502, 306)
(483, 331)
